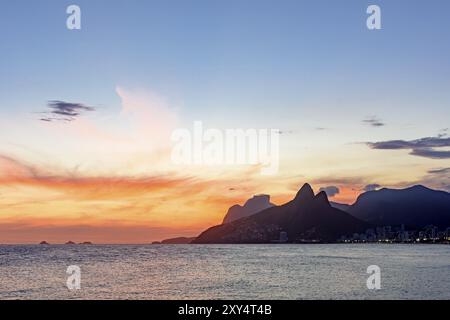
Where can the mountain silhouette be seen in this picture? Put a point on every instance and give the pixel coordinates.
(251, 206)
(306, 217)
(415, 207)
(340, 206)
(178, 240)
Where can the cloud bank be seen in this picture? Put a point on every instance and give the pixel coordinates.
(424, 147)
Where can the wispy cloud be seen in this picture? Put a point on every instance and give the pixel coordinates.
(286, 131)
(373, 121)
(64, 111)
(443, 132)
(13, 172)
(439, 171)
(340, 180)
(438, 178)
(424, 147)
(11, 167)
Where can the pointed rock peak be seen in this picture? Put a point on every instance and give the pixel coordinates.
(305, 193)
(419, 187)
(322, 198)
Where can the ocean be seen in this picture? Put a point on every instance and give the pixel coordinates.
(284, 271)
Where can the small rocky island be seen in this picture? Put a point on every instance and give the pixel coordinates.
(67, 243)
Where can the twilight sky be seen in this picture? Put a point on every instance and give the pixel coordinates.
(86, 115)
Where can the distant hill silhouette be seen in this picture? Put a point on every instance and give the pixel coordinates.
(179, 240)
(416, 206)
(251, 206)
(340, 206)
(307, 216)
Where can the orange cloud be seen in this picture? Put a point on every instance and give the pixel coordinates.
(39, 200)
(37, 204)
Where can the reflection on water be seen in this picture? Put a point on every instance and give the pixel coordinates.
(225, 271)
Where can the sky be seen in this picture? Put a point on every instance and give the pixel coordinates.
(87, 115)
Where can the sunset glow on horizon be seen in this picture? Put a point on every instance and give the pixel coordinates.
(86, 125)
